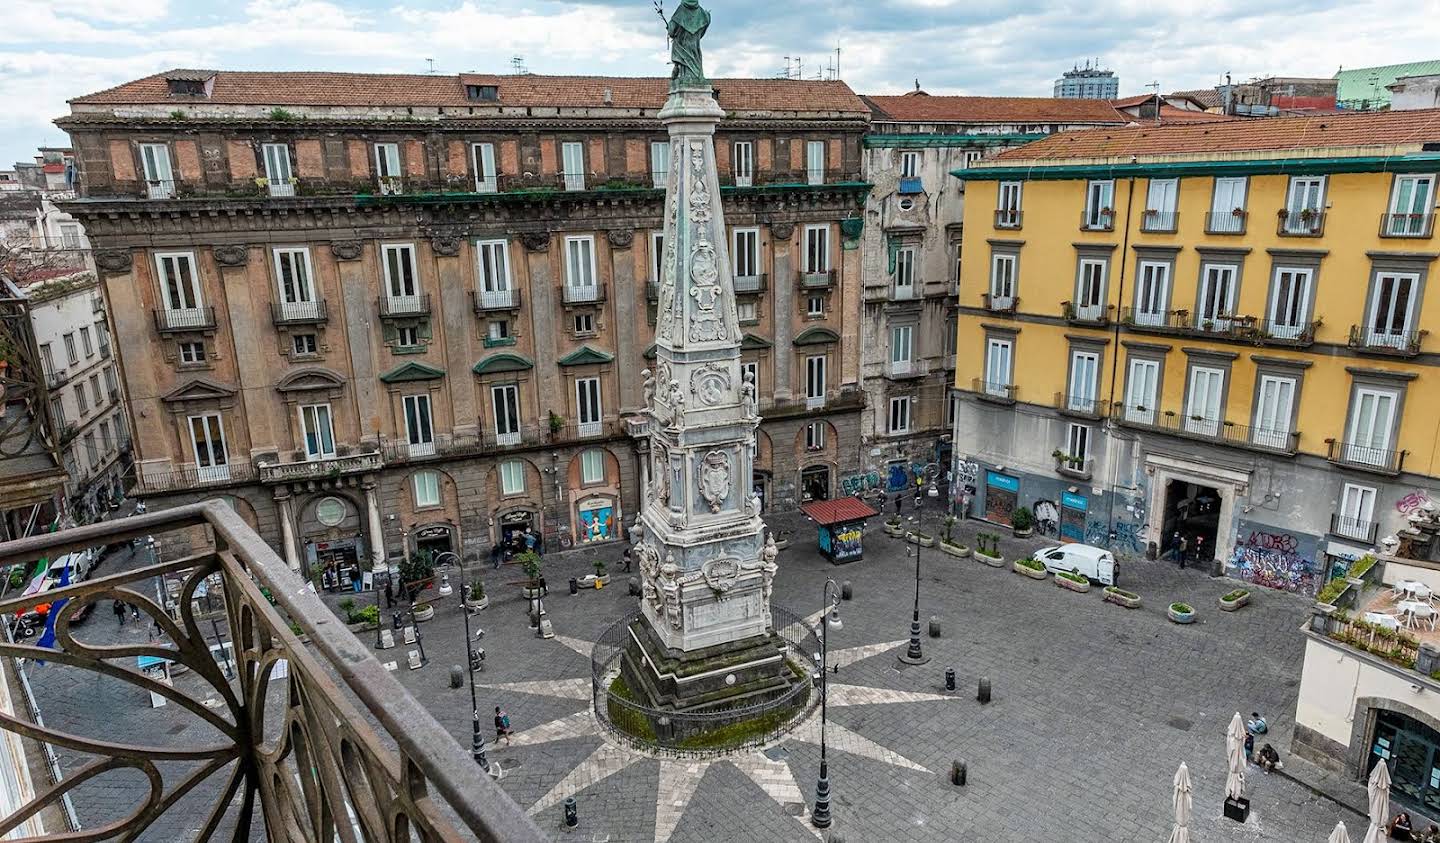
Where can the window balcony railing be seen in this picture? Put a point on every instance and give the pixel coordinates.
(281, 188)
(350, 748)
(104, 351)
(159, 188)
(1076, 468)
(1354, 528)
(181, 477)
(1004, 393)
(1100, 219)
(1009, 218)
(1364, 456)
(1001, 304)
(1209, 429)
(904, 292)
(1154, 221)
(1388, 343)
(1309, 222)
(490, 185)
(573, 181)
(114, 393)
(590, 429)
(652, 291)
(748, 283)
(490, 441)
(97, 304)
(491, 300)
(1242, 328)
(185, 319)
(1081, 405)
(744, 181)
(390, 185)
(814, 402)
(298, 312)
(318, 469)
(55, 380)
(584, 293)
(402, 306)
(817, 280)
(1087, 314)
(659, 178)
(902, 368)
(1226, 222)
(1407, 225)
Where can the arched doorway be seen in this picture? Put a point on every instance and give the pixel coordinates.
(1412, 751)
(815, 483)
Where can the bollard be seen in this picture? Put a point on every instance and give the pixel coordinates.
(634, 586)
(949, 678)
(835, 838)
(983, 694)
(958, 773)
(846, 592)
(572, 816)
(934, 626)
(456, 675)
(574, 586)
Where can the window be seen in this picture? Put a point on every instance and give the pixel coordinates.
(87, 343)
(746, 252)
(1274, 400)
(498, 329)
(482, 93)
(584, 324)
(106, 443)
(592, 466)
(909, 165)
(493, 268)
(587, 404)
(483, 158)
(103, 338)
(1084, 381)
(1077, 445)
(815, 306)
(155, 162)
(815, 162)
(505, 405)
(1410, 211)
(905, 272)
(952, 332)
(407, 336)
(1152, 293)
(580, 268)
(387, 166)
(952, 407)
(657, 256)
(900, 414)
(1002, 282)
(512, 478)
(1203, 412)
(972, 157)
(110, 383)
(1007, 205)
(419, 435)
(1217, 294)
(318, 431)
(70, 353)
(753, 369)
(47, 359)
(1390, 310)
(1227, 207)
(427, 488)
(1372, 421)
(998, 355)
(817, 249)
(297, 293)
(815, 380)
(70, 235)
(1090, 291)
(1289, 302)
(572, 160)
(1100, 205)
(179, 283)
(659, 163)
(80, 400)
(95, 390)
(92, 453)
(276, 157)
(207, 441)
(400, 278)
(57, 412)
(743, 160)
(1160, 198)
(1304, 205)
(192, 353)
(747, 311)
(901, 349)
(303, 345)
(905, 204)
(815, 436)
(1357, 512)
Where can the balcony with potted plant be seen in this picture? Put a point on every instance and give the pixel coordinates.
(1073, 467)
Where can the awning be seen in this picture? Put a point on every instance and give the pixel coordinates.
(837, 511)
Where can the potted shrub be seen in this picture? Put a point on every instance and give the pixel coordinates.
(417, 573)
(1026, 567)
(1121, 597)
(1022, 522)
(1237, 212)
(922, 539)
(894, 526)
(1233, 600)
(475, 598)
(948, 544)
(557, 424)
(1181, 613)
(987, 550)
(1072, 581)
(602, 579)
(530, 564)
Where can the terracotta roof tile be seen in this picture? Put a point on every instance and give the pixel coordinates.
(1274, 134)
(307, 88)
(948, 109)
(838, 510)
(1206, 97)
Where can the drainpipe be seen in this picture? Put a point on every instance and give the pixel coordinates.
(1115, 345)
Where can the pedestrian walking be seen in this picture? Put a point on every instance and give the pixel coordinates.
(495, 554)
(355, 579)
(1199, 549)
(502, 726)
(627, 559)
(1184, 550)
(134, 611)
(544, 590)
(531, 540)
(119, 609)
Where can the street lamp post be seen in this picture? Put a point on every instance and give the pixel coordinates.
(820, 817)
(914, 655)
(477, 741)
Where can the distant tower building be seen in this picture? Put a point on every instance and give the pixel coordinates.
(1087, 83)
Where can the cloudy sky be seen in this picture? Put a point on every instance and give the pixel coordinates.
(50, 51)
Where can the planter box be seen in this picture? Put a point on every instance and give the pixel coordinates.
(477, 605)
(1232, 605)
(1122, 600)
(992, 561)
(1022, 534)
(424, 613)
(529, 593)
(1032, 573)
(895, 530)
(1065, 582)
(959, 551)
(1179, 617)
(925, 541)
(1237, 809)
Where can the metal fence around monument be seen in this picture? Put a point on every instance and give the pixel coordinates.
(802, 646)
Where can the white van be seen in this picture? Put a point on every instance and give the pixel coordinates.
(1095, 563)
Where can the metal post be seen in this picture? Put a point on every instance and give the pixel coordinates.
(820, 817)
(375, 585)
(914, 655)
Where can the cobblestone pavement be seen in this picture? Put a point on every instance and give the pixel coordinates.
(1094, 707)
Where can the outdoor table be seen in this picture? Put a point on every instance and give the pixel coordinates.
(1418, 590)
(1414, 611)
(1382, 620)
(840, 526)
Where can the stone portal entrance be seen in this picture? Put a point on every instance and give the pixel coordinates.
(1192, 511)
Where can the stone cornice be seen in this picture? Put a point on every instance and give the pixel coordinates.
(454, 124)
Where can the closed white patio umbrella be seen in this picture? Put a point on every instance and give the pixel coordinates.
(1379, 803)
(1181, 832)
(1235, 755)
(1339, 835)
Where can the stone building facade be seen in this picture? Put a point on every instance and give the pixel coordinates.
(911, 260)
(382, 314)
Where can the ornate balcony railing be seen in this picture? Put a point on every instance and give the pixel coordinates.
(287, 472)
(817, 280)
(1097, 219)
(1080, 404)
(335, 749)
(151, 479)
(751, 283)
(1240, 328)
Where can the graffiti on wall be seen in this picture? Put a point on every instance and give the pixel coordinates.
(1047, 518)
(1275, 558)
(1122, 536)
(1411, 502)
(847, 542)
(854, 484)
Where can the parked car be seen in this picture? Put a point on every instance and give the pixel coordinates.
(1094, 563)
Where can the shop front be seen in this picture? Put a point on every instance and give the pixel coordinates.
(331, 543)
(597, 519)
(1412, 751)
(513, 526)
(1073, 510)
(815, 483)
(1002, 492)
(335, 560)
(433, 539)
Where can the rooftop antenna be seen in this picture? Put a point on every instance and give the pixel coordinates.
(1156, 86)
(517, 65)
(430, 62)
(837, 60)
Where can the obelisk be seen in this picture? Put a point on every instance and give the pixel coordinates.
(706, 567)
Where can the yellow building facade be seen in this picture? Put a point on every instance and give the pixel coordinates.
(1217, 334)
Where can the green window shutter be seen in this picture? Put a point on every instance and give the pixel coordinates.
(423, 330)
(388, 331)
